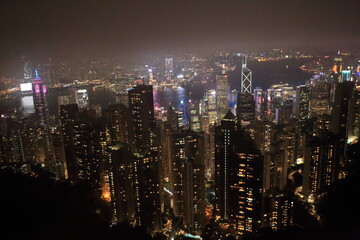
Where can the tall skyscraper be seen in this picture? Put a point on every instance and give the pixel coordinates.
(82, 99)
(319, 98)
(146, 162)
(122, 185)
(69, 114)
(302, 103)
(42, 115)
(222, 95)
(141, 106)
(239, 185)
(245, 110)
(169, 67)
(246, 78)
(146, 171)
(117, 119)
(187, 156)
(321, 163)
(40, 101)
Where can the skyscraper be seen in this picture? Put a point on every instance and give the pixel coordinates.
(238, 173)
(222, 95)
(187, 156)
(42, 115)
(141, 106)
(246, 78)
(245, 110)
(69, 114)
(302, 103)
(122, 185)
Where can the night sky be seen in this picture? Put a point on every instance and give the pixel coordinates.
(83, 28)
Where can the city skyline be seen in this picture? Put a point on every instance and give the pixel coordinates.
(178, 120)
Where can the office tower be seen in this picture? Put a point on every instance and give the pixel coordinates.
(283, 154)
(246, 78)
(259, 96)
(172, 118)
(279, 103)
(239, 184)
(150, 76)
(302, 103)
(69, 115)
(345, 75)
(146, 162)
(11, 145)
(29, 136)
(194, 116)
(121, 183)
(117, 120)
(222, 95)
(321, 163)
(340, 114)
(187, 154)
(245, 110)
(40, 102)
(141, 106)
(354, 118)
(224, 141)
(183, 114)
(86, 134)
(82, 98)
(169, 67)
(209, 161)
(319, 98)
(341, 120)
(210, 107)
(42, 115)
(28, 72)
(60, 165)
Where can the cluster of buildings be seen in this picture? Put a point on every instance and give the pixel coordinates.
(236, 160)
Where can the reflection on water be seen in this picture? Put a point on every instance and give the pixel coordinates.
(97, 96)
(167, 96)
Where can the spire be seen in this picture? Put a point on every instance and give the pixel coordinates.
(36, 74)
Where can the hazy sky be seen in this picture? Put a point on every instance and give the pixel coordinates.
(68, 28)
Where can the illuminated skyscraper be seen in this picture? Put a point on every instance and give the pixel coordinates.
(187, 154)
(239, 184)
(245, 109)
(82, 98)
(169, 67)
(28, 72)
(246, 78)
(302, 103)
(117, 120)
(42, 115)
(122, 183)
(259, 96)
(319, 98)
(40, 102)
(321, 163)
(354, 118)
(69, 114)
(222, 95)
(141, 106)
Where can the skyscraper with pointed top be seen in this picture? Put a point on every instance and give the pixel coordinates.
(246, 77)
